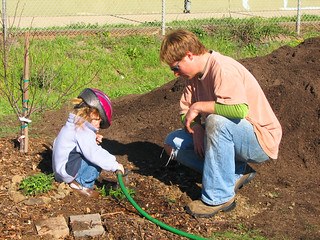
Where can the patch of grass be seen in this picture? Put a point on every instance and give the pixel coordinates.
(240, 233)
(36, 184)
(130, 64)
(8, 130)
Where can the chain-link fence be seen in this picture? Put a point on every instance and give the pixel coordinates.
(126, 17)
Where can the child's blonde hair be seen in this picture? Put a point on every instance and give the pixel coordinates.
(85, 112)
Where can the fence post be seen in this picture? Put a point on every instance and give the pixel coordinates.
(298, 23)
(187, 6)
(4, 20)
(163, 17)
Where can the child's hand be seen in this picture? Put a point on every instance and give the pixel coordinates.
(99, 138)
(121, 168)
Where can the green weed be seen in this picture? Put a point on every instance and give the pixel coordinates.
(36, 184)
(200, 32)
(116, 193)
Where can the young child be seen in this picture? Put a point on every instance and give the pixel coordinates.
(77, 158)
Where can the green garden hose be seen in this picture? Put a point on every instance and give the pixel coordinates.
(144, 214)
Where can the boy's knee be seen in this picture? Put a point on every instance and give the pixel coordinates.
(216, 124)
(214, 121)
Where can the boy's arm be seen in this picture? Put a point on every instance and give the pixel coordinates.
(238, 111)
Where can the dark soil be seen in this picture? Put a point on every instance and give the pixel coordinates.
(282, 202)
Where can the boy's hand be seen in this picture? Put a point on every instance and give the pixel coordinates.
(190, 116)
(195, 109)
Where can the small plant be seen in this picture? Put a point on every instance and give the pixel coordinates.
(199, 32)
(103, 191)
(36, 184)
(116, 193)
(133, 52)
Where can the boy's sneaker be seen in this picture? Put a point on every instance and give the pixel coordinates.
(83, 190)
(200, 209)
(249, 174)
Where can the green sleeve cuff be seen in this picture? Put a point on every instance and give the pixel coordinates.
(239, 111)
(183, 118)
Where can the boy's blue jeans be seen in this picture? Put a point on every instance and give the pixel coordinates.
(87, 174)
(229, 145)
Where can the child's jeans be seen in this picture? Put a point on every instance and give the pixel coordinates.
(87, 174)
(229, 145)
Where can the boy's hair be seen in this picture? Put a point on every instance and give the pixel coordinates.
(176, 44)
(84, 111)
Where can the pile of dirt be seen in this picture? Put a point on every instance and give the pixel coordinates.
(282, 202)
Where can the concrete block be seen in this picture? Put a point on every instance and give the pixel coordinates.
(56, 227)
(86, 225)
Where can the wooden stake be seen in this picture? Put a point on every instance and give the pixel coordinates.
(24, 143)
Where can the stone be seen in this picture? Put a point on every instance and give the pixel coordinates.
(86, 225)
(55, 227)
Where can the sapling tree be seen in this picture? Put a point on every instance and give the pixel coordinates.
(26, 92)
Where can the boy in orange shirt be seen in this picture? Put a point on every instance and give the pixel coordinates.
(227, 118)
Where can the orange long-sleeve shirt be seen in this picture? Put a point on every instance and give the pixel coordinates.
(226, 81)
